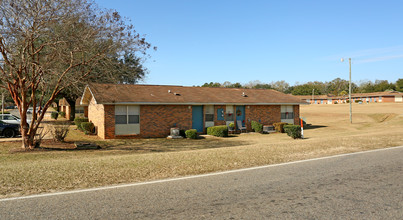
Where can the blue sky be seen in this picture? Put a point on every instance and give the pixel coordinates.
(241, 41)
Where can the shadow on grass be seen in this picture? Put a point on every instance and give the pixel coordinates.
(314, 127)
(140, 146)
(170, 145)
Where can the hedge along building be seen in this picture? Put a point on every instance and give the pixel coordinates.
(129, 111)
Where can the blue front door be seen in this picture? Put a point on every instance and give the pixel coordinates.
(240, 114)
(197, 118)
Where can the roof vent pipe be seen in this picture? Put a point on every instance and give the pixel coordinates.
(169, 91)
(243, 94)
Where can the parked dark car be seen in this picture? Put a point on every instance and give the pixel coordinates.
(9, 130)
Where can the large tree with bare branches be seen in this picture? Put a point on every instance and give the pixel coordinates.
(50, 45)
(121, 69)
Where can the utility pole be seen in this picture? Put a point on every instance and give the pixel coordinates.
(313, 91)
(349, 93)
(349, 90)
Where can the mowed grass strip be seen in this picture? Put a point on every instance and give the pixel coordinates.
(127, 161)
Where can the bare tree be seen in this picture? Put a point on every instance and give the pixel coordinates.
(48, 46)
(281, 86)
(127, 69)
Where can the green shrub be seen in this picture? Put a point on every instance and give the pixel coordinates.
(279, 126)
(218, 131)
(62, 114)
(293, 131)
(257, 126)
(87, 127)
(78, 122)
(54, 115)
(231, 125)
(357, 101)
(191, 133)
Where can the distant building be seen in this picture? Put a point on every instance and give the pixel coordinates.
(392, 96)
(81, 110)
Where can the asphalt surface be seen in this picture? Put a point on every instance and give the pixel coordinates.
(359, 186)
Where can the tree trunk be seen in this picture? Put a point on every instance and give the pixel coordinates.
(72, 103)
(28, 141)
(27, 137)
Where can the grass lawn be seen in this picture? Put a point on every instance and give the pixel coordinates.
(375, 125)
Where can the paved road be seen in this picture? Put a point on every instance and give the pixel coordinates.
(359, 186)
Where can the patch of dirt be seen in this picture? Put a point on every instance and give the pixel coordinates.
(47, 145)
(51, 144)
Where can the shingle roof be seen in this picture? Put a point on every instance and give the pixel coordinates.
(315, 96)
(155, 94)
(63, 102)
(391, 93)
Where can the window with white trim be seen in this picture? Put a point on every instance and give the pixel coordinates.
(209, 115)
(229, 113)
(127, 114)
(79, 110)
(287, 112)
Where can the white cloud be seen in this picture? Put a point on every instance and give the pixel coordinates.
(370, 55)
(382, 58)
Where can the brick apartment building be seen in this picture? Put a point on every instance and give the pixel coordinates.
(80, 110)
(391, 96)
(130, 111)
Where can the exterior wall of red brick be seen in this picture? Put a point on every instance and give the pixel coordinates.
(156, 120)
(64, 109)
(109, 121)
(264, 114)
(86, 111)
(68, 112)
(388, 99)
(296, 115)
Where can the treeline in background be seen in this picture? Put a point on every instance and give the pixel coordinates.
(335, 87)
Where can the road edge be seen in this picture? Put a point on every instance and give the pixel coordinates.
(190, 177)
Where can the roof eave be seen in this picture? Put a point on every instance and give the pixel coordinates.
(83, 97)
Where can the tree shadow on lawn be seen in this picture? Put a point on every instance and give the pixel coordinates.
(314, 127)
(148, 145)
(170, 145)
